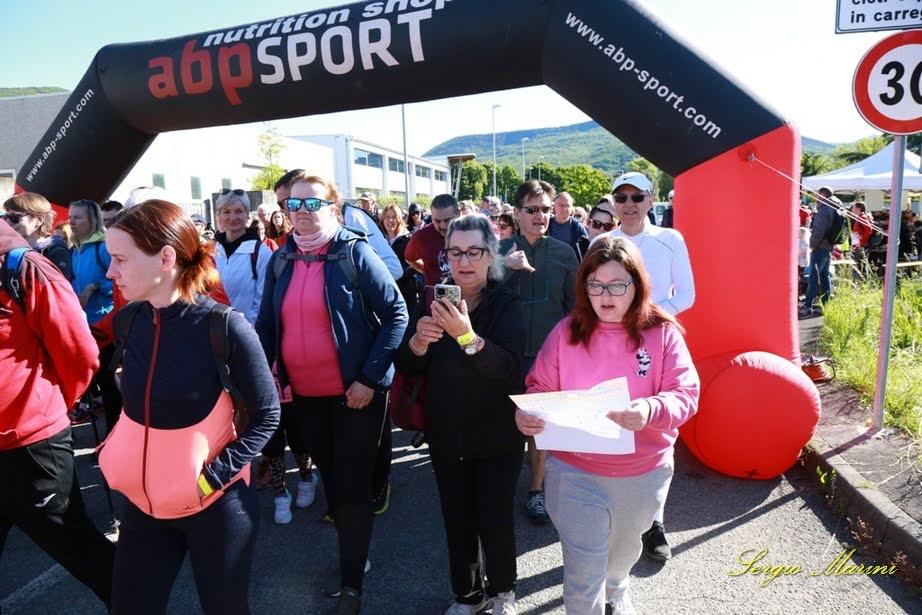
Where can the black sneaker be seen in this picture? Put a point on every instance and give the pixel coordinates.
(535, 508)
(332, 586)
(382, 500)
(655, 546)
(350, 602)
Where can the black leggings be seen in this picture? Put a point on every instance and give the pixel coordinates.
(478, 504)
(219, 541)
(344, 444)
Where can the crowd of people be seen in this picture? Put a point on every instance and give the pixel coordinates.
(286, 326)
(827, 233)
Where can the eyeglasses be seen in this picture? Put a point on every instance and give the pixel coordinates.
(310, 204)
(637, 197)
(237, 191)
(472, 254)
(494, 218)
(13, 217)
(504, 226)
(615, 289)
(544, 209)
(598, 224)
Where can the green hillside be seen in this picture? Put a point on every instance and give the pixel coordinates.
(10, 92)
(585, 143)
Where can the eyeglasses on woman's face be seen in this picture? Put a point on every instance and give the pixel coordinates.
(615, 289)
(599, 225)
(473, 254)
(309, 204)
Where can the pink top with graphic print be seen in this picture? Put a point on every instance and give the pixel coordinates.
(660, 371)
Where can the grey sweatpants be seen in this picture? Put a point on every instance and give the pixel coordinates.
(600, 520)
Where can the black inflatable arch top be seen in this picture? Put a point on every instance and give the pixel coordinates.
(608, 57)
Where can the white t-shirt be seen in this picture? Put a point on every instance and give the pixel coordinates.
(665, 257)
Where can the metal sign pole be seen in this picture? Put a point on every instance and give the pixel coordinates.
(886, 316)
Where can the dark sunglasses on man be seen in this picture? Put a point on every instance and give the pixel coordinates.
(599, 225)
(636, 197)
(544, 209)
(309, 204)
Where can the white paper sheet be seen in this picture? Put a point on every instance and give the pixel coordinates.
(575, 421)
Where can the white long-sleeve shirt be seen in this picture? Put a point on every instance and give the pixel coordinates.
(244, 292)
(665, 256)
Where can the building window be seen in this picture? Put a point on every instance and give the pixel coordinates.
(195, 188)
(369, 159)
(423, 171)
(441, 176)
(397, 165)
(158, 180)
(226, 183)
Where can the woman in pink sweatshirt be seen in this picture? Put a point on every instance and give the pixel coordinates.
(600, 504)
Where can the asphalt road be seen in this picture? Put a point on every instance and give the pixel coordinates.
(711, 520)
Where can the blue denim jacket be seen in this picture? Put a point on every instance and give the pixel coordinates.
(368, 322)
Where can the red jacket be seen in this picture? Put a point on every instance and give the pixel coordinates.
(47, 354)
(862, 231)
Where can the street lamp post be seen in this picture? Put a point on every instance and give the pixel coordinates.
(495, 107)
(524, 139)
(540, 158)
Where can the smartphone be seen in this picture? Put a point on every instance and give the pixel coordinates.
(451, 292)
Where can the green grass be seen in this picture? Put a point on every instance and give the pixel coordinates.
(850, 334)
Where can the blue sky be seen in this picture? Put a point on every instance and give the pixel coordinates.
(784, 51)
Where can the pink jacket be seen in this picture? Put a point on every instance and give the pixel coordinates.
(158, 469)
(660, 371)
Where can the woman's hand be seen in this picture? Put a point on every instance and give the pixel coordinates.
(528, 424)
(453, 321)
(358, 396)
(634, 418)
(428, 332)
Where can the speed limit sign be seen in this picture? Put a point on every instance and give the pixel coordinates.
(888, 84)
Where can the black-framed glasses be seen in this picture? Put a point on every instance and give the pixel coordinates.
(543, 209)
(310, 203)
(237, 191)
(636, 197)
(599, 225)
(13, 217)
(615, 289)
(473, 254)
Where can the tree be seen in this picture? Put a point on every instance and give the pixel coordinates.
(507, 180)
(665, 184)
(859, 150)
(271, 147)
(584, 183)
(474, 181)
(815, 164)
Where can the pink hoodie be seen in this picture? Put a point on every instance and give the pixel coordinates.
(660, 371)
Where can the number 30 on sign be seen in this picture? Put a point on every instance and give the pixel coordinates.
(888, 84)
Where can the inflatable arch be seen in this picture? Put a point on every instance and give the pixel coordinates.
(611, 59)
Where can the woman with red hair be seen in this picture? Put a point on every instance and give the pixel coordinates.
(175, 453)
(602, 503)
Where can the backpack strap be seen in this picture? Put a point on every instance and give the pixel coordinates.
(254, 256)
(12, 269)
(121, 327)
(219, 333)
(345, 255)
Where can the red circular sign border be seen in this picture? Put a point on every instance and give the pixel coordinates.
(863, 75)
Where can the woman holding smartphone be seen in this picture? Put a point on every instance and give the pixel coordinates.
(471, 355)
(174, 452)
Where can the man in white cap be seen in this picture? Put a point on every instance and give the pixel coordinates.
(667, 215)
(665, 258)
(367, 202)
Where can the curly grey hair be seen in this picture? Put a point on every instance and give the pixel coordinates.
(475, 222)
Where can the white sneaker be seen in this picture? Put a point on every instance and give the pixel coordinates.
(457, 608)
(621, 604)
(307, 490)
(503, 604)
(283, 508)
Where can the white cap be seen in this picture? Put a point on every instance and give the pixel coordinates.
(146, 193)
(638, 180)
(671, 194)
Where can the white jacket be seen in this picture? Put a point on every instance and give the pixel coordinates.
(237, 276)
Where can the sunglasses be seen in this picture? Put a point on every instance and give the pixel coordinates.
(597, 224)
(13, 217)
(237, 191)
(503, 226)
(310, 204)
(494, 218)
(544, 209)
(637, 197)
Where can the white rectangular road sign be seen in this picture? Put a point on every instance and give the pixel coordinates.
(877, 15)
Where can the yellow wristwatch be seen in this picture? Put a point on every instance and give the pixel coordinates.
(204, 486)
(467, 338)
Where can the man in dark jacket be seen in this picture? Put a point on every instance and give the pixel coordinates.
(542, 271)
(47, 352)
(820, 250)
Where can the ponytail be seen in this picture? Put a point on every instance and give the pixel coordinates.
(199, 276)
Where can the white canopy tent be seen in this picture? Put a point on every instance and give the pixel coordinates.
(872, 173)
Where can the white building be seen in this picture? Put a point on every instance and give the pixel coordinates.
(362, 166)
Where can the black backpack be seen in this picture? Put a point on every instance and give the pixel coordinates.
(838, 230)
